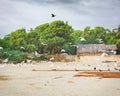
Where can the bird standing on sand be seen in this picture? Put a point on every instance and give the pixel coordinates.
(76, 69)
(94, 68)
(53, 15)
(5, 61)
(51, 60)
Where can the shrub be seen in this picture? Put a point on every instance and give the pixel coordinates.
(44, 58)
(14, 56)
(41, 58)
(18, 58)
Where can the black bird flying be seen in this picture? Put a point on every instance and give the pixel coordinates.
(53, 15)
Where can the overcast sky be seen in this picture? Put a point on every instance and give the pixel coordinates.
(15, 14)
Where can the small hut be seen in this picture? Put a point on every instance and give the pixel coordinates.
(93, 48)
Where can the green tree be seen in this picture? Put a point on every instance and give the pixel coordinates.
(54, 36)
(89, 36)
(34, 39)
(76, 36)
(42, 28)
(5, 43)
(31, 48)
(18, 39)
(100, 32)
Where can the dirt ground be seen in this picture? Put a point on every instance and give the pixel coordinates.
(87, 76)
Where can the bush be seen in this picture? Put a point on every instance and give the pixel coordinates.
(44, 58)
(4, 54)
(18, 58)
(41, 58)
(14, 56)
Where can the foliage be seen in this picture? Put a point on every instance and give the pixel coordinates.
(18, 39)
(18, 58)
(14, 56)
(76, 36)
(33, 42)
(5, 43)
(31, 48)
(44, 58)
(52, 37)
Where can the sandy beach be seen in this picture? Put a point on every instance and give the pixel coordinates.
(58, 78)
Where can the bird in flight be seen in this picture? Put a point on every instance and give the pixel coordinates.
(53, 15)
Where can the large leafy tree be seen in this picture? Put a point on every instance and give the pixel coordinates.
(54, 36)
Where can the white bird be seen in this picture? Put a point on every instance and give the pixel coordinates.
(51, 59)
(51, 63)
(1, 48)
(29, 61)
(5, 61)
(37, 54)
(22, 47)
(83, 39)
(63, 50)
(104, 54)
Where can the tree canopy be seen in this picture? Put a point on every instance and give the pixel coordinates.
(53, 37)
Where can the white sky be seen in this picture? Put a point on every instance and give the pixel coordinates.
(15, 14)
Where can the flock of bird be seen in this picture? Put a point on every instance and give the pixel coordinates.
(114, 68)
(51, 65)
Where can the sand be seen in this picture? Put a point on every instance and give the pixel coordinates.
(58, 78)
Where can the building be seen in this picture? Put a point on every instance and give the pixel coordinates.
(94, 48)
